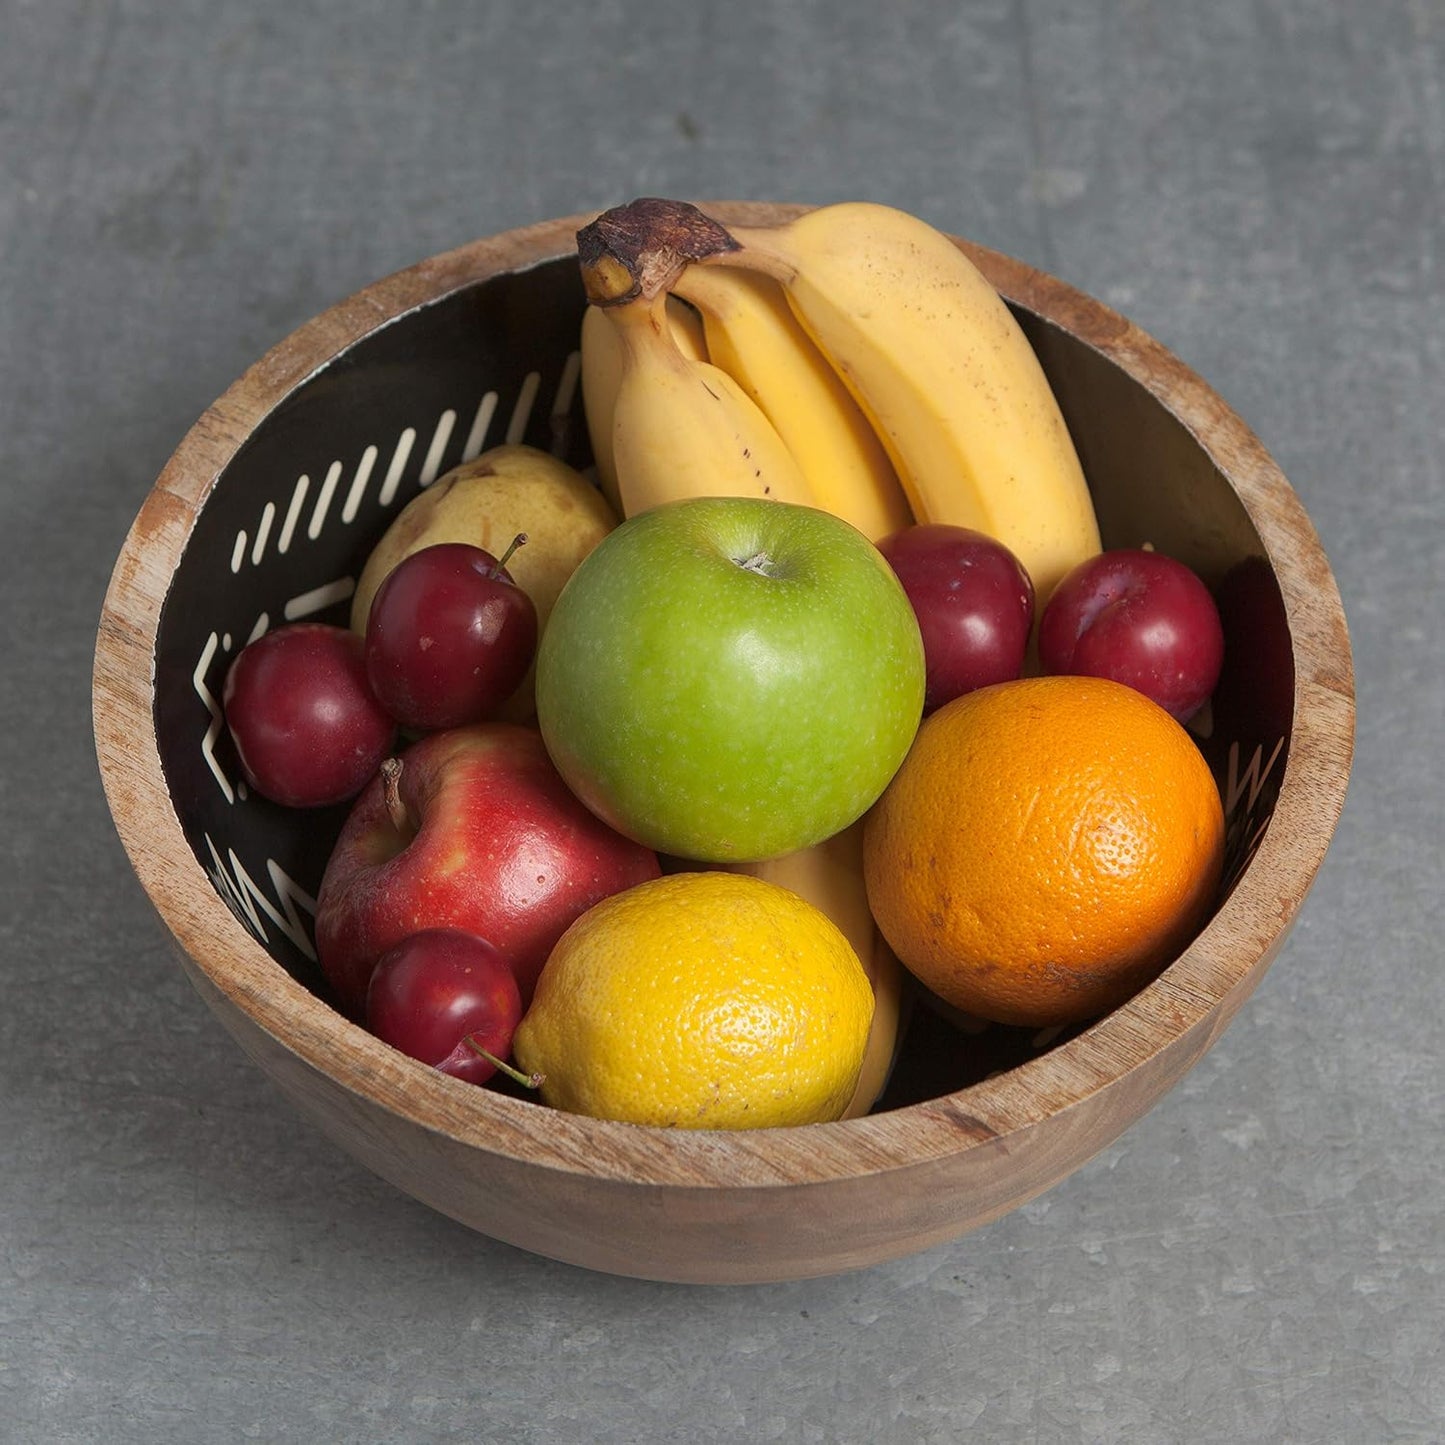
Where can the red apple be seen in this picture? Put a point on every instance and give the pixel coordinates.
(472, 828)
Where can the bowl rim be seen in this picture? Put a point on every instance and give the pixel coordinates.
(1196, 995)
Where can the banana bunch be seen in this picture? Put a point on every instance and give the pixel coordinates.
(880, 356)
(851, 359)
(680, 426)
(943, 370)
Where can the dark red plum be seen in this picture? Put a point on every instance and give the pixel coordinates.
(436, 990)
(974, 603)
(308, 729)
(449, 637)
(1140, 618)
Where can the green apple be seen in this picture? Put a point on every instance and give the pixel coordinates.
(729, 679)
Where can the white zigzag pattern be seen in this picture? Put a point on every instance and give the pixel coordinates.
(243, 897)
(1242, 788)
(213, 728)
(248, 546)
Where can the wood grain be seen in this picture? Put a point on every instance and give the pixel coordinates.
(757, 1205)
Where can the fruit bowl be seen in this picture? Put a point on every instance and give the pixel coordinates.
(266, 513)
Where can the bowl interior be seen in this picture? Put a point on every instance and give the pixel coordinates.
(288, 523)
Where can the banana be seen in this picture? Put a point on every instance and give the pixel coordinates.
(601, 352)
(829, 876)
(940, 366)
(890, 1005)
(752, 334)
(684, 428)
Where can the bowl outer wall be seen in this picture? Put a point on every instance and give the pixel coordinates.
(700, 1206)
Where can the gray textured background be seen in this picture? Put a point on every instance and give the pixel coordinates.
(1258, 185)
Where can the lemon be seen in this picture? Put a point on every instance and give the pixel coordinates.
(704, 1000)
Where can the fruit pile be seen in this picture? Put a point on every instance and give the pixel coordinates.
(665, 781)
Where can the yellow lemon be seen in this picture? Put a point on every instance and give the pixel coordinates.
(700, 1001)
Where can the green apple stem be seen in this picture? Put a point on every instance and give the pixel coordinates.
(527, 1081)
(391, 789)
(517, 541)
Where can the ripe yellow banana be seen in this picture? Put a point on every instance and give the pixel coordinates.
(941, 367)
(752, 334)
(829, 876)
(601, 349)
(684, 428)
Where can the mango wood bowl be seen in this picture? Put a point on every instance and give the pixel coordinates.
(264, 515)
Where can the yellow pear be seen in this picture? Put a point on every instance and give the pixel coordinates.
(487, 502)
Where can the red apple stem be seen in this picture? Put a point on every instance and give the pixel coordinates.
(527, 1081)
(518, 541)
(391, 789)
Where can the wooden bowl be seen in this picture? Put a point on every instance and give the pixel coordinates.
(265, 514)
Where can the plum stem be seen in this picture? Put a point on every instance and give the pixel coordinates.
(527, 1081)
(517, 541)
(391, 790)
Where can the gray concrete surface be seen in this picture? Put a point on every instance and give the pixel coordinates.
(1258, 185)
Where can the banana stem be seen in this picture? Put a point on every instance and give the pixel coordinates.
(642, 323)
(758, 248)
(638, 250)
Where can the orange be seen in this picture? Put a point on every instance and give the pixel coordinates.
(1047, 847)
